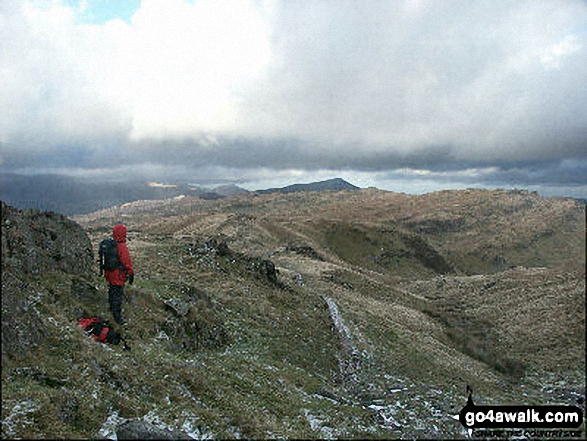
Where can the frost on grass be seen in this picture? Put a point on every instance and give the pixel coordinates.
(193, 427)
(18, 417)
(188, 424)
(108, 429)
(317, 424)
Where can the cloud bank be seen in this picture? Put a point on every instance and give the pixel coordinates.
(367, 87)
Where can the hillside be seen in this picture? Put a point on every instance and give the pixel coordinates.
(349, 314)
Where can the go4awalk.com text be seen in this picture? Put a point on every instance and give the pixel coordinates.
(530, 422)
(523, 416)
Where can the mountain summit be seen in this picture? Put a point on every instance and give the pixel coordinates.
(336, 184)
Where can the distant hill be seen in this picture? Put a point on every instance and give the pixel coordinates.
(336, 184)
(70, 196)
(219, 192)
(229, 190)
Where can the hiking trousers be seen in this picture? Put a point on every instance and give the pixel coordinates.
(115, 293)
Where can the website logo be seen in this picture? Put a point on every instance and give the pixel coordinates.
(474, 417)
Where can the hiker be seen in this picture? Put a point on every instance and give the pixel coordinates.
(118, 276)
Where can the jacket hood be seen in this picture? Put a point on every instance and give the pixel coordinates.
(119, 233)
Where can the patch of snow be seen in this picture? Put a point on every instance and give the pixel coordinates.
(188, 426)
(339, 323)
(322, 397)
(193, 428)
(317, 424)
(18, 415)
(108, 429)
(433, 410)
(394, 391)
(95, 392)
(194, 432)
(234, 431)
(386, 416)
(162, 336)
(352, 356)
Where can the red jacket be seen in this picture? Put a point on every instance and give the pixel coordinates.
(119, 276)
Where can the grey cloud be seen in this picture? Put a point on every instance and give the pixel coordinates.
(569, 173)
(457, 74)
(284, 153)
(190, 157)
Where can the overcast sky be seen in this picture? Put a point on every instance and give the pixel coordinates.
(409, 95)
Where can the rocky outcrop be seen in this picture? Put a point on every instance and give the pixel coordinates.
(305, 251)
(193, 320)
(266, 270)
(36, 246)
(35, 242)
(216, 254)
(21, 320)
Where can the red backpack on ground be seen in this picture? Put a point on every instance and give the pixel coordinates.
(100, 330)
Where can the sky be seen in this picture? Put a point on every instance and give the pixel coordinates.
(403, 95)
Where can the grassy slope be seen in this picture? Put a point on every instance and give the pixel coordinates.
(420, 336)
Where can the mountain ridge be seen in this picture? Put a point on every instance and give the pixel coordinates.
(72, 196)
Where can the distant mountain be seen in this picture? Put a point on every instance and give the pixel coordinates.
(336, 184)
(219, 192)
(69, 196)
(229, 190)
(66, 195)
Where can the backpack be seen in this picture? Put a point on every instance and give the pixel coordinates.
(101, 331)
(108, 253)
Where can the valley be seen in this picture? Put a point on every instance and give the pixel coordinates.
(360, 313)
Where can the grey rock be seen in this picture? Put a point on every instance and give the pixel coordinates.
(177, 306)
(195, 321)
(36, 245)
(35, 242)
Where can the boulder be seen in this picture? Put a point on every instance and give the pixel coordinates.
(267, 270)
